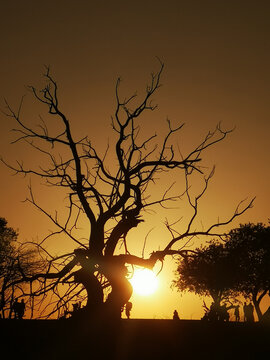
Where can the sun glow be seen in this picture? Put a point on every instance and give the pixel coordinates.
(144, 282)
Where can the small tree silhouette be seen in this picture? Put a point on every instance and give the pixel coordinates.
(110, 197)
(15, 258)
(207, 272)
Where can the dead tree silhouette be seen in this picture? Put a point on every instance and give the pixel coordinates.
(110, 199)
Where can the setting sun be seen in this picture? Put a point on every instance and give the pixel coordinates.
(144, 282)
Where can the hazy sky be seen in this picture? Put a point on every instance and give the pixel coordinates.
(216, 56)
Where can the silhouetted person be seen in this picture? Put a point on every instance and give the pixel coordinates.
(21, 309)
(128, 308)
(250, 313)
(245, 310)
(15, 308)
(237, 313)
(175, 315)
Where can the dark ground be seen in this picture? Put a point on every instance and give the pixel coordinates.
(134, 339)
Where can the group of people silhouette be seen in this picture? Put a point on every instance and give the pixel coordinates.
(18, 308)
(248, 310)
(220, 313)
(217, 312)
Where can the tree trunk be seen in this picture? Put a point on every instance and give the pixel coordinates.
(115, 271)
(94, 291)
(256, 304)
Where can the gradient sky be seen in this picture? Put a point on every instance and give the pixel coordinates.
(217, 58)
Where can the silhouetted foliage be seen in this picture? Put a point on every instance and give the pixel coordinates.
(239, 265)
(249, 249)
(109, 193)
(207, 272)
(15, 260)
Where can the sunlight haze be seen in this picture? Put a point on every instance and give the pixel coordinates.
(144, 282)
(216, 57)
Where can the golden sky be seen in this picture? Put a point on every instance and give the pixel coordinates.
(217, 60)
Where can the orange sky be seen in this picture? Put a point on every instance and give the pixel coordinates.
(216, 58)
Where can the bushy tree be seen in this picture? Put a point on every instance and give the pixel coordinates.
(239, 265)
(109, 192)
(207, 272)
